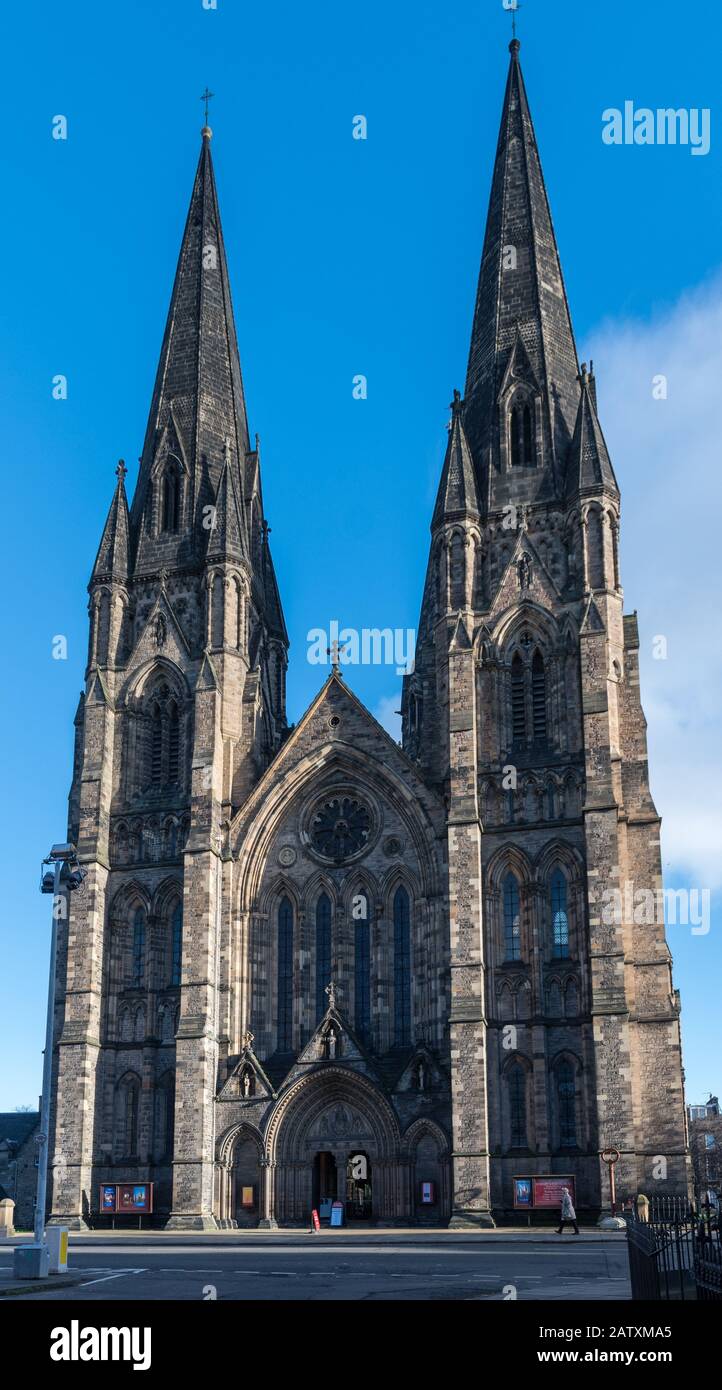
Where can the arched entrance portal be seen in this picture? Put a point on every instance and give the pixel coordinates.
(359, 1203)
(334, 1129)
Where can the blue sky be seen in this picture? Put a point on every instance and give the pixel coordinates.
(349, 257)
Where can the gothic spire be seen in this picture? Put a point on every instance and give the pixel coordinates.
(226, 536)
(590, 467)
(457, 495)
(111, 561)
(198, 410)
(522, 342)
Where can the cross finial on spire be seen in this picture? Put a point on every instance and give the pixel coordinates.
(121, 470)
(206, 97)
(513, 6)
(334, 651)
(330, 990)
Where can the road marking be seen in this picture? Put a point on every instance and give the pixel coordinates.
(122, 1275)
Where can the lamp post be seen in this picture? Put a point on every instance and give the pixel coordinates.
(32, 1261)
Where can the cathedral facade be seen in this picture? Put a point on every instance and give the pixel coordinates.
(311, 965)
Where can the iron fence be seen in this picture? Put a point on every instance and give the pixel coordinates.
(676, 1253)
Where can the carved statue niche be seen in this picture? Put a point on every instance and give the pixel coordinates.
(330, 1044)
(248, 1083)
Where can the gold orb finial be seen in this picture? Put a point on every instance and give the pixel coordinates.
(206, 132)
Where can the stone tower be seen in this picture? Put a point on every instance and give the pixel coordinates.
(308, 964)
(524, 714)
(183, 709)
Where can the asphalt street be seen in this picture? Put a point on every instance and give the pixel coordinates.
(339, 1266)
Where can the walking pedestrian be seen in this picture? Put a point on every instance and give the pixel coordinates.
(568, 1214)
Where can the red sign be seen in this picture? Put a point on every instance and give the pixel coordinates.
(315, 1219)
(547, 1191)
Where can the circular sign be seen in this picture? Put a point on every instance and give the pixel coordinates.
(610, 1155)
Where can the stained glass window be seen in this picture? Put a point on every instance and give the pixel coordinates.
(285, 976)
(323, 953)
(402, 969)
(176, 927)
(138, 975)
(560, 919)
(362, 975)
(516, 1082)
(567, 1105)
(512, 919)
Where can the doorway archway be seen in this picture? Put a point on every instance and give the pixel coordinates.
(342, 1114)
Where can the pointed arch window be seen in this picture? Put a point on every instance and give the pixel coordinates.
(516, 1087)
(164, 742)
(126, 1107)
(560, 917)
(156, 747)
(323, 953)
(173, 742)
(171, 498)
(521, 436)
(138, 963)
(362, 970)
(512, 919)
(402, 968)
(163, 1105)
(518, 700)
(566, 1105)
(285, 976)
(176, 936)
(539, 697)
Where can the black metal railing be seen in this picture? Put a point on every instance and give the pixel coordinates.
(676, 1253)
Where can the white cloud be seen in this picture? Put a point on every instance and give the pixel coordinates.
(667, 456)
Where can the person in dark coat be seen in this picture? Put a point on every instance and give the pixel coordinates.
(568, 1214)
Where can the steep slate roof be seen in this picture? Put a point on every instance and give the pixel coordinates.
(18, 1125)
(199, 372)
(530, 298)
(457, 495)
(590, 467)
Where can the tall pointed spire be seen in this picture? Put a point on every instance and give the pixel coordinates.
(590, 467)
(522, 334)
(198, 406)
(111, 561)
(457, 495)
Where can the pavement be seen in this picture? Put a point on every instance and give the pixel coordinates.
(346, 1265)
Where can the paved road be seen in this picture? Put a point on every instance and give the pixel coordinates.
(317, 1268)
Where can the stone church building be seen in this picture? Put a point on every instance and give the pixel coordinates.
(309, 964)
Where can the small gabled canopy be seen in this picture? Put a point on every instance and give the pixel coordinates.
(112, 560)
(590, 467)
(457, 496)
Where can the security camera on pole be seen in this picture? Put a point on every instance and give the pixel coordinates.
(33, 1261)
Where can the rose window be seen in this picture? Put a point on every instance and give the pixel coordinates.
(340, 828)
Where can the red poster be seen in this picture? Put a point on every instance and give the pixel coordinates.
(316, 1221)
(135, 1197)
(548, 1191)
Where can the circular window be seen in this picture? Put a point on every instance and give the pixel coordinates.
(340, 828)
